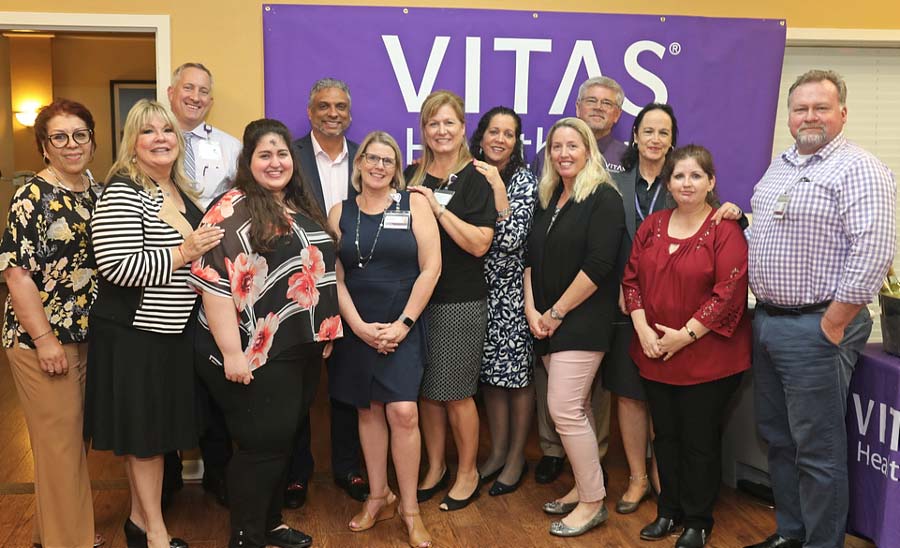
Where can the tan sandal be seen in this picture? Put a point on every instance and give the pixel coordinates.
(419, 537)
(365, 521)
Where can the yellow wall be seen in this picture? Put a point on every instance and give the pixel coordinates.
(88, 82)
(227, 34)
(31, 85)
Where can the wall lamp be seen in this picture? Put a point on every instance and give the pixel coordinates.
(27, 117)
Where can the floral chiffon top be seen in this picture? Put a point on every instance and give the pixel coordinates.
(285, 297)
(48, 234)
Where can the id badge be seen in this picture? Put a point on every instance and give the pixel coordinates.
(209, 151)
(443, 196)
(781, 206)
(396, 220)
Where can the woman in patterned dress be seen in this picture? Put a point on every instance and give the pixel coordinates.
(507, 363)
(269, 315)
(51, 277)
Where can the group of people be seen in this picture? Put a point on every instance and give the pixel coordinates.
(604, 268)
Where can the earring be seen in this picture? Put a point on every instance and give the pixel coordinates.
(134, 159)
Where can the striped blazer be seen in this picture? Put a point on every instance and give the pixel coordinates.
(132, 236)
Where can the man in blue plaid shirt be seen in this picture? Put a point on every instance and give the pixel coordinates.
(822, 239)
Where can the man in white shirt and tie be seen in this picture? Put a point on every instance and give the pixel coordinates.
(210, 161)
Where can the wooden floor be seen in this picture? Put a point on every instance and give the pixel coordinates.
(514, 520)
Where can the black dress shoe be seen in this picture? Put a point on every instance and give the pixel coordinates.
(450, 504)
(354, 485)
(489, 477)
(500, 488)
(288, 538)
(778, 541)
(692, 537)
(660, 528)
(178, 543)
(425, 494)
(548, 469)
(217, 487)
(295, 495)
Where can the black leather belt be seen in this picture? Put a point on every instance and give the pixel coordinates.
(774, 310)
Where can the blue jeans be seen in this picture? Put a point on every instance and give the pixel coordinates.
(801, 382)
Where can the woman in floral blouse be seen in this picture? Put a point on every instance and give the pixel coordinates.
(50, 273)
(269, 313)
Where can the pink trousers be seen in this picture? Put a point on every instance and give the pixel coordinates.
(570, 378)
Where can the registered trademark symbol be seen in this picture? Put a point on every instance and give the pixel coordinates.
(674, 48)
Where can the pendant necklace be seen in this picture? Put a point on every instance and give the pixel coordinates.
(361, 261)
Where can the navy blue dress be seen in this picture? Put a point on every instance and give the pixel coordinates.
(357, 373)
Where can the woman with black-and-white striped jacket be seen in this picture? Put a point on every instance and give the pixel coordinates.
(139, 398)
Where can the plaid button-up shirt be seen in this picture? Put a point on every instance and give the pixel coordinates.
(836, 238)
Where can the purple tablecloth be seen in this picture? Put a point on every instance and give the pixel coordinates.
(873, 436)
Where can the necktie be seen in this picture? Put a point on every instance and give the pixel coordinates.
(189, 156)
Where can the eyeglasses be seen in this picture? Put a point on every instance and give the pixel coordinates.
(60, 140)
(373, 159)
(604, 104)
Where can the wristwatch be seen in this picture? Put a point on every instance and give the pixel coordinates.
(554, 313)
(407, 321)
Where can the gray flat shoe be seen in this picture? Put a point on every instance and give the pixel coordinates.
(557, 508)
(560, 529)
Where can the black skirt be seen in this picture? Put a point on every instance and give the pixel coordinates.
(139, 398)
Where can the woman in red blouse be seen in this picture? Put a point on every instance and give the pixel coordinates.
(685, 287)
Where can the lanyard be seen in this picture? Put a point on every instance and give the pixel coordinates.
(637, 204)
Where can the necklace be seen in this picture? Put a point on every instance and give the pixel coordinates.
(62, 184)
(361, 261)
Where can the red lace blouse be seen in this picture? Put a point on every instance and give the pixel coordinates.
(705, 278)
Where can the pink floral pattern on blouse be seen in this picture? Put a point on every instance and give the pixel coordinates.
(284, 297)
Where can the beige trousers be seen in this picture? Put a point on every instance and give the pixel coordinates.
(54, 412)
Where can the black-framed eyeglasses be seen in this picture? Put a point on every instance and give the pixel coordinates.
(61, 139)
(373, 159)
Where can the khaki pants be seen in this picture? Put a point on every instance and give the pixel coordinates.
(54, 412)
(551, 446)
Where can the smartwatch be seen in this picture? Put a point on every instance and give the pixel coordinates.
(407, 321)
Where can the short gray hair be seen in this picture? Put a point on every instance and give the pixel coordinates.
(818, 75)
(326, 83)
(604, 82)
(176, 75)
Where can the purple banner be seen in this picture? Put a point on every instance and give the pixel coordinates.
(720, 75)
(873, 440)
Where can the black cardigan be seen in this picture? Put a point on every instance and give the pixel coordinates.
(585, 237)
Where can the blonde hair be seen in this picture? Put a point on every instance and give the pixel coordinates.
(591, 176)
(126, 164)
(432, 104)
(383, 138)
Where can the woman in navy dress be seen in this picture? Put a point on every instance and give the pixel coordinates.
(388, 263)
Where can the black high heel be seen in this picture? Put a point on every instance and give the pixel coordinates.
(135, 537)
(424, 494)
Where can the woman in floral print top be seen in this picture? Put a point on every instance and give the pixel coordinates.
(269, 313)
(48, 266)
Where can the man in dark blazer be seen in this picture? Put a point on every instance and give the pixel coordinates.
(326, 160)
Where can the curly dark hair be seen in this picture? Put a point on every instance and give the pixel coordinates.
(56, 108)
(269, 220)
(515, 160)
(630, 158)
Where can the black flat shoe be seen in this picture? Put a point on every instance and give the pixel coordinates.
(425, 494)
(548, 469)
(450, 504)
(354, 485)
(778, 541)
(660, 528)
(499, 488)
(692, 537)
(295, 495)
(178, 543)
(288, 538)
